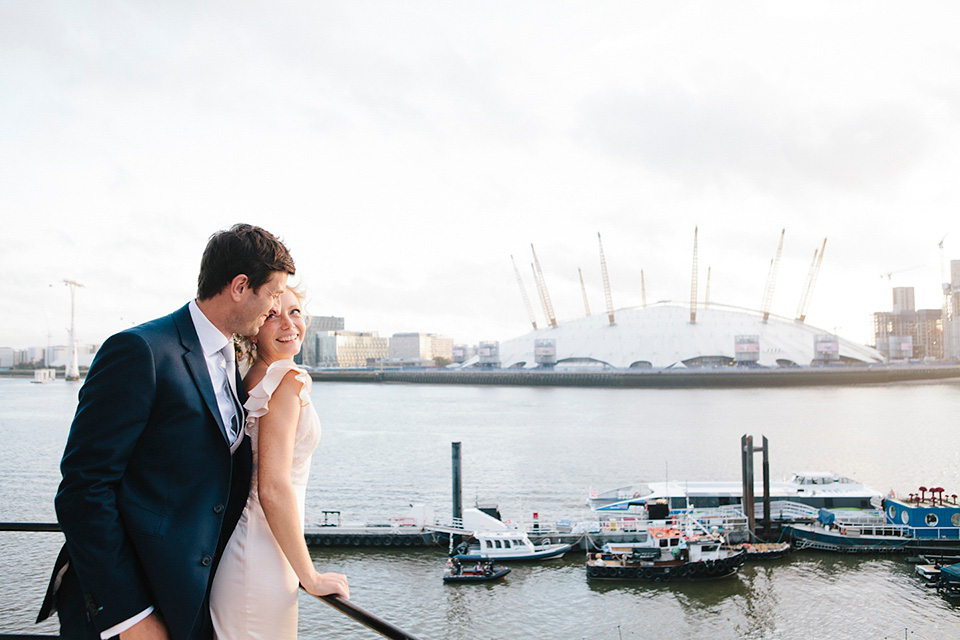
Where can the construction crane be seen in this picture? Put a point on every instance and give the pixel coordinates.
(811, 281)
(772, 279)
(583, 289)
(523, 294)
(606, 283)
(542, 288)
(693, 282)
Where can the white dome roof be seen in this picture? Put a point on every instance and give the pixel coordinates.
(662, 335)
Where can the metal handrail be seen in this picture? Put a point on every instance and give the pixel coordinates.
(367, 619)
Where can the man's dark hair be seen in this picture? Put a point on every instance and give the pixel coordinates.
(245, 249)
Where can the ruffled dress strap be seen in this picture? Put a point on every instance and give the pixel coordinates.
(259, 397)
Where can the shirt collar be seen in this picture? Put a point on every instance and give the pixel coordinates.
(212, 339)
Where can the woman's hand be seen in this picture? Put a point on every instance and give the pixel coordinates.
(325, 584)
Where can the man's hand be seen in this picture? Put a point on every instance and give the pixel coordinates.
(150, 628)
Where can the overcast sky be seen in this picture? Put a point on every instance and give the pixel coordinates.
(405, 150)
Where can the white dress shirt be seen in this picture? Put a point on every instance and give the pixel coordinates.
(219, 356)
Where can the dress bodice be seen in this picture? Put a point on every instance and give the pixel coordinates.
(308, 425)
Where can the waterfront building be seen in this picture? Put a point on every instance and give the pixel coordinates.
(316, 327)
(419, 348)
(8, 358)
(661, 335)
(951, 316)
(350, 349)
(907, 333)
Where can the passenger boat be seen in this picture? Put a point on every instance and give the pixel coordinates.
(507, 545)
(667, 553)
(479, 572)
(821, 489)
(917, 524)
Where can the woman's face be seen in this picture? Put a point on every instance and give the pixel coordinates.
(282, 333)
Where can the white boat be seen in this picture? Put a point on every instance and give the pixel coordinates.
(493, 540)
(503, 546)
(821, 489)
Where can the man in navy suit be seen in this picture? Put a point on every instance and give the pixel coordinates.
(156, 469)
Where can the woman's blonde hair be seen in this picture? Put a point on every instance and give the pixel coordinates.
(246, 349)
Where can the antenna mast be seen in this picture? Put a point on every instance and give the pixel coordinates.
(583, 289)
(73, 370)
(606, 282)
(643, 290)
(523, 293)
(693, 282)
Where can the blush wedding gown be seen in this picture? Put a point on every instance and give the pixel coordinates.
(254, 593)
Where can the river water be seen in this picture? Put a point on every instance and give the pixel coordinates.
(386, 446)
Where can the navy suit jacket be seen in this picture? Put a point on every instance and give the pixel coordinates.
(150, 490)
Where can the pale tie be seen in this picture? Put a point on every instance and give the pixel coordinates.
(229, 370)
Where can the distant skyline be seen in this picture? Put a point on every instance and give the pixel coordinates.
(405, 151)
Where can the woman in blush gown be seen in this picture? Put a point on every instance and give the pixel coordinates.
(254, 593)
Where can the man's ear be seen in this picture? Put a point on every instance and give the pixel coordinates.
(237, 286)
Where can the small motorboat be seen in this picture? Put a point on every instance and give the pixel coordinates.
(764, 550)
(479, 572)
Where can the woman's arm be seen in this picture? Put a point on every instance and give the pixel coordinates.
(278, 428)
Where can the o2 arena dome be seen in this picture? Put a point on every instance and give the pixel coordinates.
(662, 336)
(667, 334)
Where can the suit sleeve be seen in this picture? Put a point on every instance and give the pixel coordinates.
(113, 411)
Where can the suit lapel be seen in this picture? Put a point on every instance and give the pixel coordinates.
(197, 364)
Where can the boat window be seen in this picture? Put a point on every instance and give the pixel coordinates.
(498, 545)
(931, 520)
(506, 544)
(664, 543)
(488, 544)
(674, 542)
(955, 519)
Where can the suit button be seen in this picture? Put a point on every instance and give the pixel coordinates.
(218, 508)
(206, 561)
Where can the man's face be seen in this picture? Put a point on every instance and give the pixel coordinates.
(256, 305)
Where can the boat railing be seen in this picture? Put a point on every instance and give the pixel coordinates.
(346, 607)
(884, 530)
(859, 518)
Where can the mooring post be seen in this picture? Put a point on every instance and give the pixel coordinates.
(457, 489)
(746, 452)
(766, 488)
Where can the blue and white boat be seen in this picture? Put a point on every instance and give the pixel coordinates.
(919, 524)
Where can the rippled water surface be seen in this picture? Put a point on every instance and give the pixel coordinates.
(529, 449)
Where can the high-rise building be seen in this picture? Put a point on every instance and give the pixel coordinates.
(951, 313)
(905, 332)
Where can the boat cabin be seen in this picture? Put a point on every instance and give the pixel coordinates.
(929, 516)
